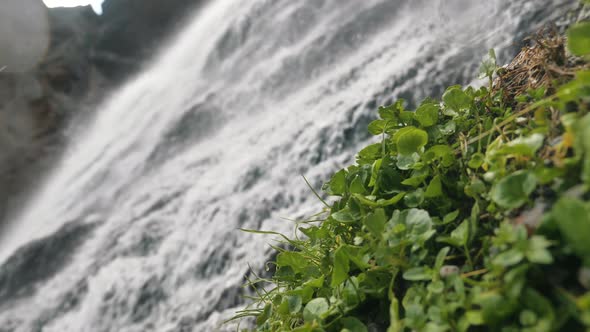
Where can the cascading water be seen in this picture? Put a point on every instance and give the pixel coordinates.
(136, 229)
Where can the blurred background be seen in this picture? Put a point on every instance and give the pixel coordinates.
(137, 136)
(59, 59)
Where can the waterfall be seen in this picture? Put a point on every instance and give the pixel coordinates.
(136, 228)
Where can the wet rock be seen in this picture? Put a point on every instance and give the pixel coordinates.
(25, 34)
(150, 295)
(132, 31)
(40, 260)
(87, 55)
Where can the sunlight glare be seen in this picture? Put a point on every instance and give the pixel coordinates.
(96, 4)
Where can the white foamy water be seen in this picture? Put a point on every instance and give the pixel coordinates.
(136, 228)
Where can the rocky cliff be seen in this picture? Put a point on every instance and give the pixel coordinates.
(87, 56)
(131, 31)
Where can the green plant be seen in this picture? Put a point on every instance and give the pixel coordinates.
(470, 214)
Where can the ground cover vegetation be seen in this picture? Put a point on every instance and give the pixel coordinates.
(471, 213)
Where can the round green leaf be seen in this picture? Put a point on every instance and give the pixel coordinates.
(436, 287)
(353, 324)
(528, 318)
(418, 221)
(414, 199)
(513, 190)
(379, 127)
(427, 114)
(290, 305)
(295, 304)
(448, 128)
(476, 160)
(343, 216)
(315, 309)
(410, 139)
(456, 99)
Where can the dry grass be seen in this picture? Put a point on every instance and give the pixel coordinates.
(545, 63)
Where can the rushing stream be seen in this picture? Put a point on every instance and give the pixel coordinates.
(136, 228)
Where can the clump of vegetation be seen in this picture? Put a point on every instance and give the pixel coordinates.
(471, 213)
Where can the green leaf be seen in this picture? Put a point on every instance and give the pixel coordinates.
(293, 259)
(353, 324)
(448, 128)
(434, 188)
(315, 283)
(409, 140)
(379, 127)
(418, 177)
(458, 237)
(578, 39)
(337, 185)
(450, 217)
(375, 222)
(456, 99)
(572, 217)
(495, 307)
(395, 324)
(357, 185)
(574, 90)
(538, 303)
(418, 273)
(356, 256)
(341, 267)
(418, 221)
(263, 317)
(405, 162)
(477, 159)
(350, 293)
(415, 198)
(315, 309)
(314, 233)
(582, 145)
(509, 258)
(475, 317)
(415, 180)
(488, 65)
(375, 172)
(436, 287)
(523, 146)
(369, 154)
(537, 251)
(406, 117)
(427, 114)
(440, 258)
(392, 112)
(290, 305)
(344, 216)
(513, 191)
(392, 201)
(440, 152)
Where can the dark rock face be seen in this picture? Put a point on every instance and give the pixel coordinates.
(36, 105)
(117, 43)
(40, 260)
(132, 30)
(67, 66)
(88, 55)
